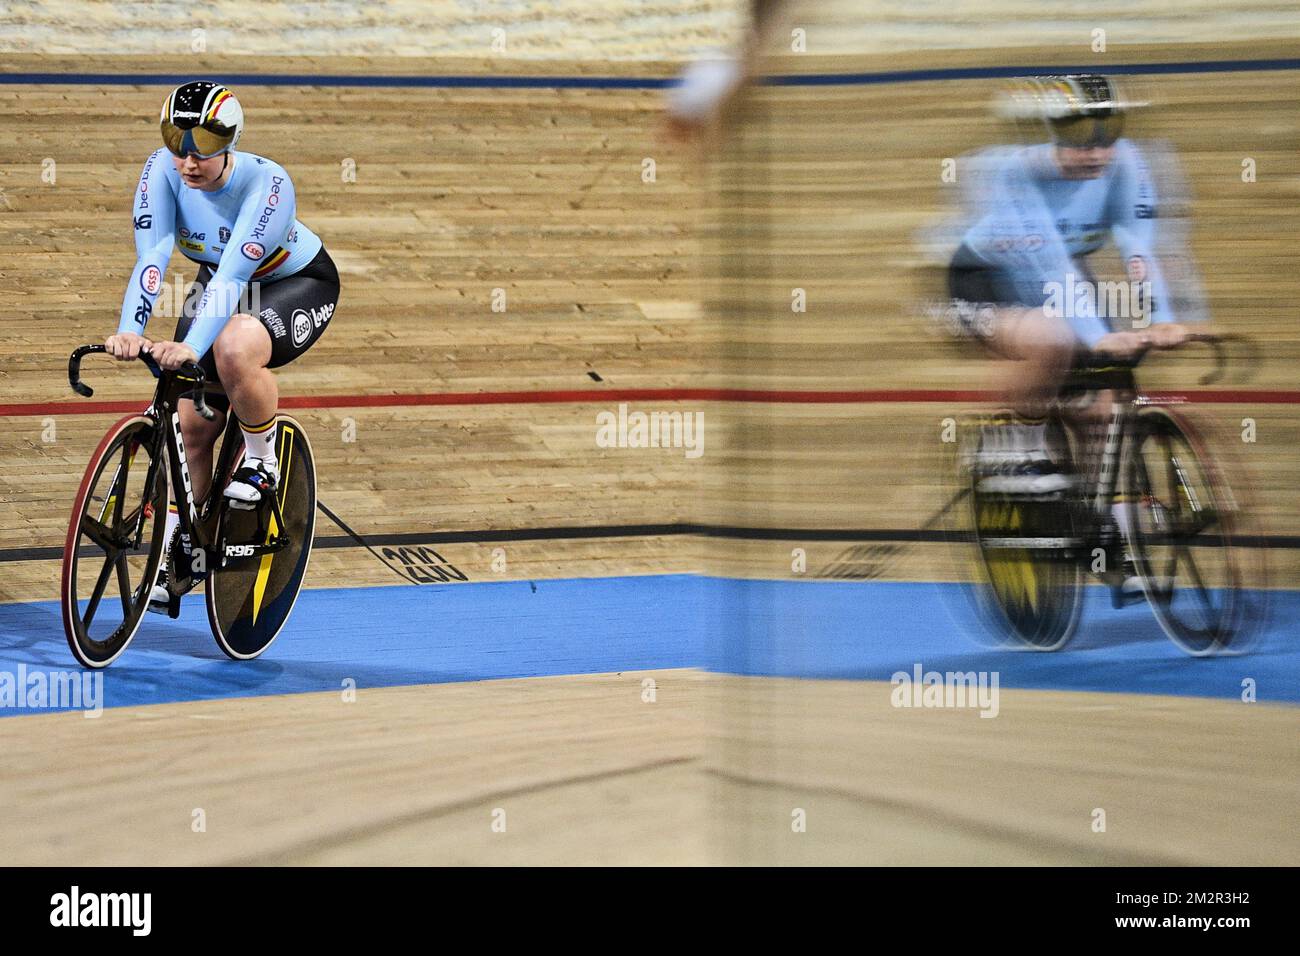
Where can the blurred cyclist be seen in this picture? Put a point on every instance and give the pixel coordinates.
(1019, 281)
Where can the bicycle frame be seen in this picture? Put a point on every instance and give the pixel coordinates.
(197, 530)
(1094, 507)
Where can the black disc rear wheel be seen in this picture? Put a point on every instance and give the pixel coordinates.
(250, 598)
(1028, 583)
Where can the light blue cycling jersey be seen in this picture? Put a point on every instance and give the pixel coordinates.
(246, 230)
(1033, 224)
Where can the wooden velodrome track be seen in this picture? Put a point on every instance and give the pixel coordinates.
(540, 192)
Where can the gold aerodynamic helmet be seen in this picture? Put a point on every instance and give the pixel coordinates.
(203, 118)
(1079, 109)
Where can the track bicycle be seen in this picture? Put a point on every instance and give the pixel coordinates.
(252, 561)
(1182, 542)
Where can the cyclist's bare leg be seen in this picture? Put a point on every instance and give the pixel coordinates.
(242, 351)
(241, 355)
(1037, 350)
(199, 437)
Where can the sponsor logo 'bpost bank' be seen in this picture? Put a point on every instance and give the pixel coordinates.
(272, 200)
(144, 184)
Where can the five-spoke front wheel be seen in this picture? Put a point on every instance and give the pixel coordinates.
(115, 542)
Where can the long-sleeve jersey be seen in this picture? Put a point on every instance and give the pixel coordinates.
(244, 231)
(1033, 224)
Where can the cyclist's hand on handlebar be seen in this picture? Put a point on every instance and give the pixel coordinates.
(172, 355)
(1168, 335)
(1123, 344)
(125, 346)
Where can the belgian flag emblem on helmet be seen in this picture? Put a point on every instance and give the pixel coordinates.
(203, 118)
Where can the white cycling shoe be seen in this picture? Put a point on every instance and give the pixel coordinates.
(1012, 460)
(159, 598)
(1020, 473)
(252, 483)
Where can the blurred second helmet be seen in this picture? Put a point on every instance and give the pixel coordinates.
(1078, 109)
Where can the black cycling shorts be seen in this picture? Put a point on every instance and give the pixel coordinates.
(976, 290)
(295, 310)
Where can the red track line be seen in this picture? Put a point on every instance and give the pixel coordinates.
(606, 396)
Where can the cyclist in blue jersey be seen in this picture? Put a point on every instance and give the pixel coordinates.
(232, 213)
(1020, 282)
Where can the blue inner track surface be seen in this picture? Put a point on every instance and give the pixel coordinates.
(404, 635)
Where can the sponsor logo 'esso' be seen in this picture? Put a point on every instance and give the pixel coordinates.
(151, 280)
(254, 250)
(301, 327)
(303, 320)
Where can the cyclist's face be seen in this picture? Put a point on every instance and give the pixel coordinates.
(1083, 162)
(199, 173)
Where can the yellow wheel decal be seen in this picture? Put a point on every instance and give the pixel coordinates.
(264, 569)
(1011, 573)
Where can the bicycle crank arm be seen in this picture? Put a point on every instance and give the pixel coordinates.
(1030, 544)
